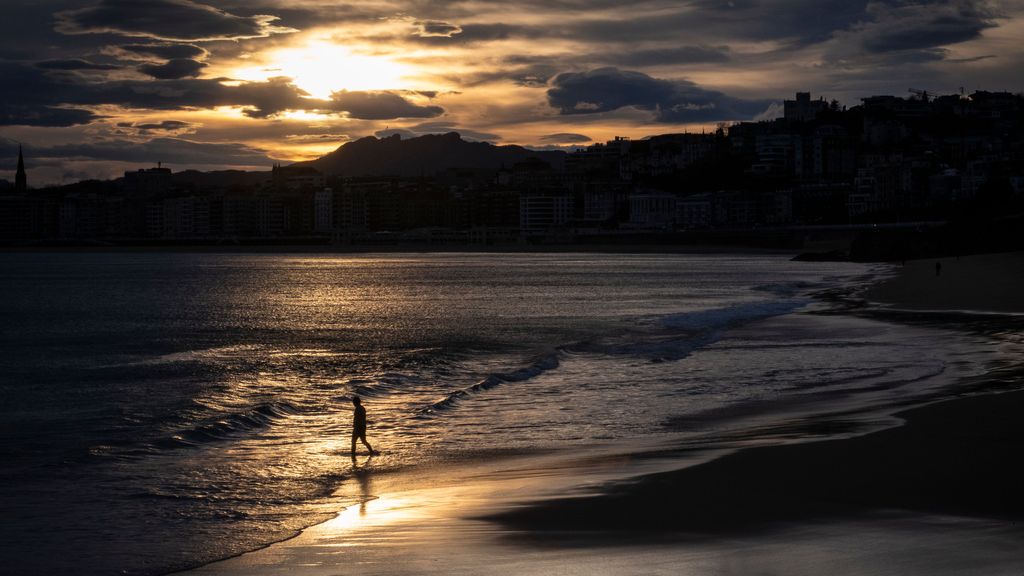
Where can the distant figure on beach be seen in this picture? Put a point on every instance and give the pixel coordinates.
(938, 268)
(359, 426)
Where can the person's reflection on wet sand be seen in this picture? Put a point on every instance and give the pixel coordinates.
(362, 473)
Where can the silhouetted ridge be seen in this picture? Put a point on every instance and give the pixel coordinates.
(423, 156)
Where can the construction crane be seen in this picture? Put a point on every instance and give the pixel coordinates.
(922, 94)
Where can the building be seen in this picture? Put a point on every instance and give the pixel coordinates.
(147, 182)
(652, 209)
(323, 210)
(695, 211)
(540, 212)
(803, 109)
(296, 178)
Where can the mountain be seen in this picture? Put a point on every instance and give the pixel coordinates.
(423, 156)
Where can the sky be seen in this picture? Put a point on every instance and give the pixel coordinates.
(91, 88)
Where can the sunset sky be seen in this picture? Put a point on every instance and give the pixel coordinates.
(94, 87)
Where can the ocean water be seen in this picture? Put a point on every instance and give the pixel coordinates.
(161, 410)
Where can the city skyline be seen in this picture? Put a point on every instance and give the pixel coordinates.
(97, 87)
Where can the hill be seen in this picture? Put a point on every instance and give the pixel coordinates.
(423, 156)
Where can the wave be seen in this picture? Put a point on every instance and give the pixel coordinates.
(718, 318)
(229, 426)
(204, 355)
(381, 385)
(539, 366)
(676, 336)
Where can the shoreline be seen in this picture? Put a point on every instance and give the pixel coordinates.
(950, 458)
(360, 250)
(922, 466)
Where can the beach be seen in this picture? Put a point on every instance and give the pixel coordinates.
(980, 282)
(934, 489)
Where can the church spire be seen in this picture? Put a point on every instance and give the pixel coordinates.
(20, 180)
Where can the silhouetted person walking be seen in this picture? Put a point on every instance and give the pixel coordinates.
(938, 268)
(359, 426)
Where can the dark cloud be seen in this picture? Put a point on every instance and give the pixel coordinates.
(902, 33)
(446, 127)
(164, 20)
(31, 96)
(174, 69)
(436, 28)
(165, 126)
(41, 115)
(529, 71)
(796, 22)
(437, 128)
(74, 64)
(379, 106)
(566, 138)
(168, 51)
(923, 25)
(316, 138)
(167, 150)
(608, 89)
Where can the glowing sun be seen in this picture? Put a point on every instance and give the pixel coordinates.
(320, 68)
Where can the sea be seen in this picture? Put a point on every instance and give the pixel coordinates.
(161, 410)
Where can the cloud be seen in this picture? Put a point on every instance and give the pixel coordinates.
(400, 132)
(446, 127)
(174, 69)
(74, 64)
(437, 128)
(901, 33)
(379, 106)
(168, 150)
(176, 127)
(167, 51)
(566, 138)
(674, 101)
(30, 96)
(428, 28)
(671, 55)
(41, 115)
(165, 125)
(182, 20)
(316, 138)
(794, 22)
(922, 25)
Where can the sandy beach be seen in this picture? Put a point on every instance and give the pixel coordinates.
(982, 282)
(937, 493)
